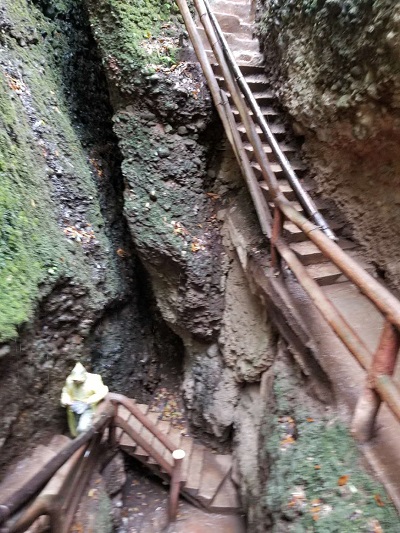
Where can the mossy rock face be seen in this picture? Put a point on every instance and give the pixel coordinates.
(127, 33)
(60, 221)
(164, 122)
(315, 480)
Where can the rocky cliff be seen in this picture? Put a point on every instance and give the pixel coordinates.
(337, 72)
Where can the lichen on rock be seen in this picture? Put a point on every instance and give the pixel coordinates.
(335, 67)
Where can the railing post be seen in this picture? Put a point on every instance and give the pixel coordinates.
(112, 430)
(276, 234)
(178, 456)
(369, 402)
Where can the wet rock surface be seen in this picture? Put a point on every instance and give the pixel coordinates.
(73, 286)
(336, 70)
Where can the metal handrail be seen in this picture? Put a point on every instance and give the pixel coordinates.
(106, 416)
(304, 198)
(379, 295)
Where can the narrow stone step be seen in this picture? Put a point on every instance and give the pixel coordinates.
(192, 484)
(215, 469)
(284, 187)
(187, 446)
(295, 234)
(309, 253)
(239, 9)
(263, 98)
(277, 169)
(244, 69)
(287, 149)
(227, 498)
(147, 435)
(231, 38)
(324, 273)
(268, 112)
(164, 426)
(278, 130)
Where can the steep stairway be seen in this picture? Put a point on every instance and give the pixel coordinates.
(236, 20)
(295, 311)
(205, 476)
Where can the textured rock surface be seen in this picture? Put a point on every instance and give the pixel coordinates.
(175, 185)
(70, 285)
(337, 71)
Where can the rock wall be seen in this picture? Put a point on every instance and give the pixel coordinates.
(71, 286)
(336, 69)
(178, 178)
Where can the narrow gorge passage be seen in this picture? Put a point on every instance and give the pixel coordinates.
(129, 242)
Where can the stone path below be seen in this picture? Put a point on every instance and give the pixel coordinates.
(145, 510)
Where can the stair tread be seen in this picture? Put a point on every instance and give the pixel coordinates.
(226, 499)
(276, 167)
(146, 434)
(164, 426)
(187, 446)
(292, 228)
(258, 95)
(267, 149)
(126, 442)
(214, 472)
(308, 247)
(192, 484)
(275, 128)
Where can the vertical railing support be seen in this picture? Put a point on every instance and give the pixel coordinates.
(383, 365)
(276, 234)
(178, 456)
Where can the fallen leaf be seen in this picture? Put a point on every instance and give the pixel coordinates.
(309, 419)
(122, 253)
(378, 500)
(213, 196)
(343, 480)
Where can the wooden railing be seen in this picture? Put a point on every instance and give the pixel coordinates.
(380, 385)
(59, 502)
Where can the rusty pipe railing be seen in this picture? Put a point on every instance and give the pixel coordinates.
(347, 334)
(386, 303)
(15, 502)
(106, 416)
(304, 198)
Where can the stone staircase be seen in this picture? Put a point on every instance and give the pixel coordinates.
(236, 19)
(206, 477)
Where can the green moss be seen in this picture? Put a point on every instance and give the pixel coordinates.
(34, 252)
(122, 27)
(24, 250)
(321, 454)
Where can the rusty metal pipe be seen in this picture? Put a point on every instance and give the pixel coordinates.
(276, 234)
(369, 402)
(388, 304)
(176, 481)
(302, 195)
(333, 317)
(143, 419)
(140, 441)
(389, 392)
(12, 504)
